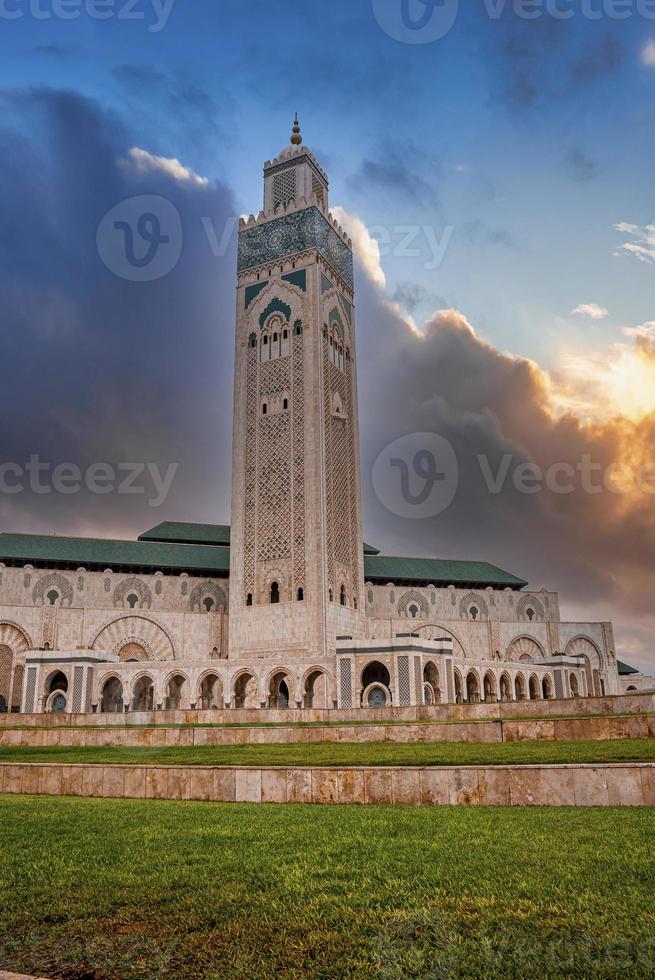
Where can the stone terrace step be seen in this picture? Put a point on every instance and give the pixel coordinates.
(563, 729)
(624, 784)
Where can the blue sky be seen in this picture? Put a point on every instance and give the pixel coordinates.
(520, 144)
(530, 138)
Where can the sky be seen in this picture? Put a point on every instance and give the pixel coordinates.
(493, 164)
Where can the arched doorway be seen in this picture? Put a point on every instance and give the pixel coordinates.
(505, 688)
(112, 696)
(316, 690)
(245, 691)
(175, 692)
(519, 688)
(279, 690)
(546, 689)
(376, 685)
(144, 694)
(489, 688)
(472, 688)
(17, 690)
(211, 693)
(458, 688)
(575, 690)
(431, 689)
(533, 688)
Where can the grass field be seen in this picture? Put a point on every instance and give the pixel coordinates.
(95, 889)
(352, 754)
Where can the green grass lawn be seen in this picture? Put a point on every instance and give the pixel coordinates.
(352, 754)
(95, 889)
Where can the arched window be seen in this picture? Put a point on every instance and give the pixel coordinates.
(208, 603)
(266, 341)
(53, 597)
(285, 404)
(301, 595)
(530, 614)
(413, 611)
(474, 612)
(298, 329)
(342, 597)
(264, 409)
(331, 595)
(249, 599)
(285, 335)
(132, 600)
(275, 592)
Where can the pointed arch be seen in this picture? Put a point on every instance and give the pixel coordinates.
(525, 649)
(118, 633)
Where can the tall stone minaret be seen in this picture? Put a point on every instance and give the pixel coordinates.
(296, 570)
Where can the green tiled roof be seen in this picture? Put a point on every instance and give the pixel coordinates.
(177, 532)
(625, 669)
(204, 548)
(437, 571)
(51, 550)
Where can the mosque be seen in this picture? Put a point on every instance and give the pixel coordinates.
(287, 607)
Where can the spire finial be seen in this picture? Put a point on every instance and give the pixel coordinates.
(296, 138)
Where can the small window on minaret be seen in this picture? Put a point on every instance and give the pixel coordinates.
(285, 404)
(264, 409)
(343, 595)
(249, 599)
(301, 595)
(275, 592)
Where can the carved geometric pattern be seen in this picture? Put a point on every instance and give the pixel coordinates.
(49, 632)
(413, 599)
(78, 681)
(340, 474)
(249, 533)
(129, 586)
(524, 649)
(54, 582)
(135, 629)
(274, 488)
(298, 405)
(345, 683)
(582, 647)
(208, 590)
(404, 696)
(30, 691)
(529, 602)
(469, 600)
(14, 638)
(17, 693)
(284, 188)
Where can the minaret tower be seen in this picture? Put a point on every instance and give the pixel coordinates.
(296, 572)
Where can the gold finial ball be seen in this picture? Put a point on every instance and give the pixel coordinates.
(296, 138)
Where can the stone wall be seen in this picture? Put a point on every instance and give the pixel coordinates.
(630, 784)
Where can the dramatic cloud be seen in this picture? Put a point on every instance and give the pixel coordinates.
(583, 522)
(642, 246)
(592, 310)
(105, 369)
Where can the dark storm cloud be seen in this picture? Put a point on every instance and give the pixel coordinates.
(596, 548)
(103, 369)
(387, 170)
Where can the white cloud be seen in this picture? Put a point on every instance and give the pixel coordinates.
(643, 245)
(591, 309)
(144, 161)
(648, 54)
(645, 331)
(366, 248)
